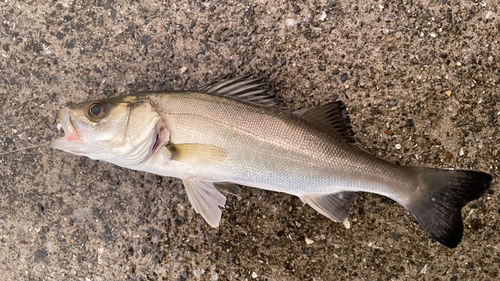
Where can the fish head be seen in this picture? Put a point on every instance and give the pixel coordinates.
(124, 130)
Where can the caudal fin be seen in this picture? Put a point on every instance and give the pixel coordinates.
(438, 202)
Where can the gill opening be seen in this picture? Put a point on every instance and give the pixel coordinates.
(157, 143)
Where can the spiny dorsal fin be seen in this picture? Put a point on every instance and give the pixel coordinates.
(244, 88)
(333, 117)
(334, 206)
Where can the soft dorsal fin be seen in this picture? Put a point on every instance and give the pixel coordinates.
(244, 88)
(334, 206)
(333, 117)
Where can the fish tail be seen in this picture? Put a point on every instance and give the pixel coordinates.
(439, 198)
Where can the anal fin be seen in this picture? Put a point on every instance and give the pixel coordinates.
(205, 199)
(334, 206)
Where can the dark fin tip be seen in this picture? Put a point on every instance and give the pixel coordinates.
(438, 203)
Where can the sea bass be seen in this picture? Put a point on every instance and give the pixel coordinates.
(232, 131)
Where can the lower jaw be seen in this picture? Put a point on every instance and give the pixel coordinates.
(72, 136)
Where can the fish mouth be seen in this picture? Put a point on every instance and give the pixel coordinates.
(73, 133)
(70, 132)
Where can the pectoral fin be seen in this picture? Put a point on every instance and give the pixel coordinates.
(335, 206)
(205, 199)
(197, 154)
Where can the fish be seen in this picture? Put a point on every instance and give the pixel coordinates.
(234, 131)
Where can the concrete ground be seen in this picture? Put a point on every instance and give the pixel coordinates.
(419, 77)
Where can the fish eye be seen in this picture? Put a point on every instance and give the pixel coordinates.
(97, 111)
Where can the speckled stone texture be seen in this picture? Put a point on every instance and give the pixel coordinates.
(419, 77)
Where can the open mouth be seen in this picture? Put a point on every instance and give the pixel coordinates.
(74, 140)
(70, 132)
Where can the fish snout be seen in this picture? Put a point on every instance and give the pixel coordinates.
(70, 131)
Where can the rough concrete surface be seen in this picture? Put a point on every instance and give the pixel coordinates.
(419, 77)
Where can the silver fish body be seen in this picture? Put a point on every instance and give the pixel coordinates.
(271, 149)
(230, 132)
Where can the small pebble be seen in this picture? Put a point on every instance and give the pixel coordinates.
(390, 133)
(424, 270)
(494, 153)
(183, 69)
(461, 153)
(273, 208)
(346, 224)
(459, 63)
(296, 8)
(398, 146)
(448, 93)
(290, 22)
(49, 247)
(489, 14)
(130, 79)
(198, 272)
(318, 238)
(79, 214)
(309, 241)
(214, 277)
(254, 275)
(344, 77)
(433, 117)
(394, 102)
(346, 87)
(323, 16)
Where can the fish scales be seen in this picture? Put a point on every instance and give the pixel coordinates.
(264, 143)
